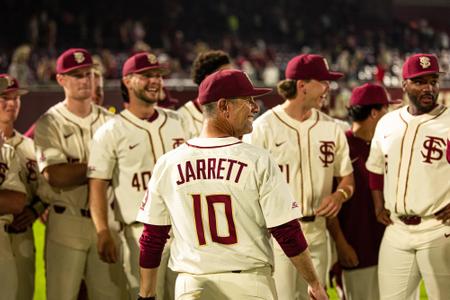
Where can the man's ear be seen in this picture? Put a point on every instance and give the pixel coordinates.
(222, 105)
(403, 85)
(60, 79)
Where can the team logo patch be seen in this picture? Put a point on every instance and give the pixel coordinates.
(10, 81)
(79, 57)
(424, 62)
(177, 142)
(327, 150)
(152, 59)
(433, 149)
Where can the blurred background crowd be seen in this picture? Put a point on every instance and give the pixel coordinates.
(367, 42)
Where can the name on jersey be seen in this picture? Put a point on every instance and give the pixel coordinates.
(210, 169)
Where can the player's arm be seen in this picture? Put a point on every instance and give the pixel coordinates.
(331, 204)
(293, 242)
(98, 204)
(346, 254)
(12, 202)
(66, 175)
(152, 243)
(376, 183)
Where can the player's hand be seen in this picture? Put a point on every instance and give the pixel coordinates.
(44, 216)
(25, 219)
(347, 255)
(106, 247)
(444, 214)
(383, 216)
(330, 205)
(317, 292)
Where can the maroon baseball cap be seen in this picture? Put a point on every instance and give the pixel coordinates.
(141, 62)
(12, 85)
(310, 66)
(368, 94)
(227, 84)
(73, 59)
(421, 64)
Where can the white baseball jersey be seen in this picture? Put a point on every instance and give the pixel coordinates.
(410, 152)
(192, 118)
(126, 149)
(9, 175)
(309, 153)
(63, 137)
(220, 195)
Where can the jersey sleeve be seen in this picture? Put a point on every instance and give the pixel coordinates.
(102, 159)
(9, 172)
(375, 163)
(153, 209)
(343, 165)
(47, 143)
(276, 201)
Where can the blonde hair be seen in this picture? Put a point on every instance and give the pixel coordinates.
(287, 88)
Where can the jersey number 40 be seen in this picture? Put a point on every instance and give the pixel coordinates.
(199, 224)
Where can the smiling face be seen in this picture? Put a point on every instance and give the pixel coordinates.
(316, 92)
(241, 114)
(146, 86)
(423, 92)
(9, 107)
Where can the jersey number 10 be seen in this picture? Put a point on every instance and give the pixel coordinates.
(210, 201)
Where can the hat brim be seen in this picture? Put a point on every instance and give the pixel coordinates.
(77, 67)
(395, 101)
(255, 92)
(333, 76)
(163, 70)
(425, 73)
(19, 90)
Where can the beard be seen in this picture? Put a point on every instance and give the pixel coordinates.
(422, 107)
(141, 95)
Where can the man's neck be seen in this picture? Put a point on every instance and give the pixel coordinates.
(212, 128)
(80, 108)
(363, 130)
(141, 110)
(413, 110)
(296, 110)
(7, 129)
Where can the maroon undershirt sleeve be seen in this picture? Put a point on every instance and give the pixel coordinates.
(290, 237)
(448, 151)
(152, 243)
(376, 181)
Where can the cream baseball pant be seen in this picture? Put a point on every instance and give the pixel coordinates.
(8, 270)
(22, 245)
(250, 284)
(409, 252)
(71, 255)
(165, 288)
(361, 283)
(289, 283)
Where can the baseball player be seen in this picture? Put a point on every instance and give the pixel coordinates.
(204, 64)
(311, 150)
(123, 154)
(20, 231)
(220, 196)
(62, 138)
(356, 232)
(407, 157)
(12, 201)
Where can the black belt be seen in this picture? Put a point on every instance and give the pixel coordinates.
(61, 209)
(307, 219)
(13, 230)
(410, 219)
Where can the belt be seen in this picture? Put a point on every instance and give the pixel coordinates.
(262, 270)
(307, 219)
(61, 209)
(410, 219)
(13, 230)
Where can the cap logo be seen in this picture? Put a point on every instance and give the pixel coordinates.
(79, 57)
(326, 63)
(152, 59)
(424, 62)
(10, 81)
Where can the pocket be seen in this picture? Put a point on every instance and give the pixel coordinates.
(75, 232)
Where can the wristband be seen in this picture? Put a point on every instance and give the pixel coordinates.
(343, 192)
(146, 298)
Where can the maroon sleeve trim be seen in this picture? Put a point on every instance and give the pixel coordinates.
(152, 243)
(376, 181)
(290, 237)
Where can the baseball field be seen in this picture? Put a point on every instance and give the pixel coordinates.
(40, 275)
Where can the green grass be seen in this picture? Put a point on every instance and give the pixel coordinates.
(39, 293)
